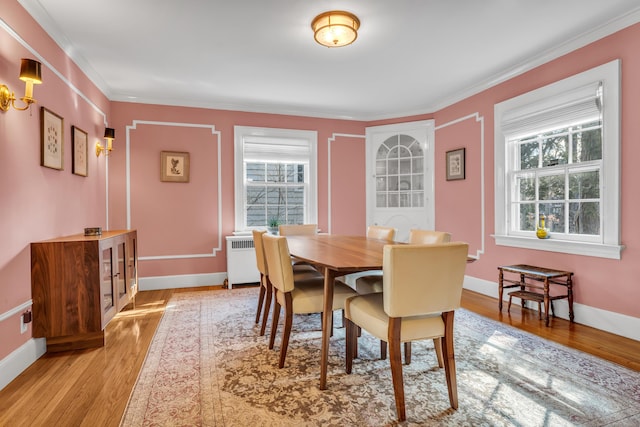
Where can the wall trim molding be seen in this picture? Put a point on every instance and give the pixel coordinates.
(615, 323)
(214, 132)
(479, 119)
(331, 140)
(20, 359)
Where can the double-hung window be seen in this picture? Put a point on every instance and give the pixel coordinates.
(275, 176)
(557, 158)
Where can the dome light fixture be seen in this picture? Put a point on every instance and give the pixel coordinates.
(335, 28)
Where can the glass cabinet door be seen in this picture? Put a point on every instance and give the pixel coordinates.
(121, 277)
(106, 284)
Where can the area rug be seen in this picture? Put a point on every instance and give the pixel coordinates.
(208, 366)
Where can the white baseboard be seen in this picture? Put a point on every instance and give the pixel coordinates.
(20, 359)
(181, 281)
(615, 323)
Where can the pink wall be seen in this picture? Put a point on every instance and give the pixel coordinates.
(39, 203)
(181, 219)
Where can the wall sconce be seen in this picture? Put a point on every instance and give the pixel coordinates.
(30, 73)
(109, 135)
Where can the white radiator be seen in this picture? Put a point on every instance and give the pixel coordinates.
(241, 261)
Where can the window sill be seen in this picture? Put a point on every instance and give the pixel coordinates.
(563, 246)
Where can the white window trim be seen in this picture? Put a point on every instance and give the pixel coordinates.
(609, 74)
(240, 132)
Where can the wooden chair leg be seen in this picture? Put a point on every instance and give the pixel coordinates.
(288, 321)
(351, 336)
(437, 344)
(383, 350)
(449, 358)
(260, 298)
(274, 321)
(267, 305)
(396, 365)
(407, 353)
(509, 306)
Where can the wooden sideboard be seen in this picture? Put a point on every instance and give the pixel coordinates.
(78, 283)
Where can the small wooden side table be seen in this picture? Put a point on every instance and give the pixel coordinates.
(528, 278)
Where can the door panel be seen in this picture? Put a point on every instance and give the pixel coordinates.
(400, 176)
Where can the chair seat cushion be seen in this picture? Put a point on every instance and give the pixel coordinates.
(370, 283)
(308, 296)
(367, 311)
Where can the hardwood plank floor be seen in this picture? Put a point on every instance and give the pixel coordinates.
(92, 387)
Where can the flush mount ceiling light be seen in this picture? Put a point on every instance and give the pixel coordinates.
(335, 28)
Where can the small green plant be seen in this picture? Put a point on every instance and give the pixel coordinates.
(274, 222)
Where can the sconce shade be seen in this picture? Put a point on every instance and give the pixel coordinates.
(335, 28)
(109, 133)
(30, 70)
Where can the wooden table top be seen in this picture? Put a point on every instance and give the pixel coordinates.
(338, 253)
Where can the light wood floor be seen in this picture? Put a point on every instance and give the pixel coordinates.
(91, 387)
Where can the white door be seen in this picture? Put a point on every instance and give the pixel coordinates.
(400, 176)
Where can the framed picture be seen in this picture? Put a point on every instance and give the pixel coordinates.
(455, 164)
(51, 139)
(174, 166)
(79, 142)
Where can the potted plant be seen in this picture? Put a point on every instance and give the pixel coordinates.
(274, 223)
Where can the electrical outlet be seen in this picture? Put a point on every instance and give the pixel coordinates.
(23, 326)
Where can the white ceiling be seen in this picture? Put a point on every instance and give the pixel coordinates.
(411, 56)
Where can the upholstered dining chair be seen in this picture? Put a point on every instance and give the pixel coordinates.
(422, 288)
(297, 229)
(297, 294)
(266, 290)
(373, 280)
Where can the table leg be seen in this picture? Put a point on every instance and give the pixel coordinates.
(500, 278)
(329, 277)
(546, 302)
(570, 297)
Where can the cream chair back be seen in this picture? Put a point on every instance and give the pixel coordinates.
(428, 237)
(298, 229)
(382, 233)
(423, 279)
(261, 261)
(278, 257)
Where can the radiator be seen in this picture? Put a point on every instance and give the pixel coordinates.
(241, 261)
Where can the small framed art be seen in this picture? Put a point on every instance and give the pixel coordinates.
(51, 139)
(455, 164)
(174, 166)
(80, 150)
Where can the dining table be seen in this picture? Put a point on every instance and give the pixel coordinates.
(335, 256)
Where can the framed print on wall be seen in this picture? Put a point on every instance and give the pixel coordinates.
(174, 166)
(80, 150)
(455, 164)
(51, 139)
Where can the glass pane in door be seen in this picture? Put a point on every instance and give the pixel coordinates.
(106, 284)
(121, 277)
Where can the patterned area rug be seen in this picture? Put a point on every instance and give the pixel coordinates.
(207, 366)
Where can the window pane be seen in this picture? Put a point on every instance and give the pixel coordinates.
(405, 166)
(275, 195)
(394, 153)
(256, 216)
(295, 196)
(417, 199)
(555, 216)
(417, 165)
(526, 188)
(275, 172)
(554, 150)
(416, 150)
(256, 195)
(383, 150)
(527, 217)
(584, 218)
(587, 145)
(381, 184)
(256, 172)
(381, 200)
(381, 167)
(393, 166)
(393, 183)
(295, 215)
(393, 200)
(584, 185)
(405, 183)
(529, 155)
(551, 187)
(418, 182)
(405, 200)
